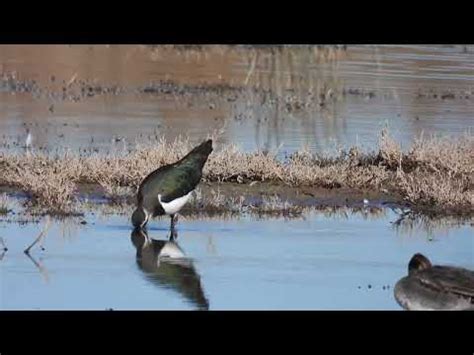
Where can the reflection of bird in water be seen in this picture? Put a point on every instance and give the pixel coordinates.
(429, 287)
(165, 264)
(167, 189)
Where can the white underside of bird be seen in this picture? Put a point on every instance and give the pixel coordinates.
(174, 206)
(172, 251)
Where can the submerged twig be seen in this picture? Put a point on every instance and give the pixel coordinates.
(40, 236)
(41, 268)
(72, 80)
(4, 246)
(251, 69)
(410, 220)
(403, 216)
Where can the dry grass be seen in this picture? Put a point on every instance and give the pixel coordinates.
(436, 173)
(44, 179)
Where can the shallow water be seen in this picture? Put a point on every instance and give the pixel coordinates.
(320, 262)
(401, 81)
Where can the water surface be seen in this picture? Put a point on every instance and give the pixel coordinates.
(400, 87)
(320, 262)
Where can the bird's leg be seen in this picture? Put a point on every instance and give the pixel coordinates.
(172, 222)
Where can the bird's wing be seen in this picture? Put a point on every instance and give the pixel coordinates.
(452, 279)
(170, 182)
(179, 182)
(180, 185)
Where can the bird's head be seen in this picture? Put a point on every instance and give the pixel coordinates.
(140, 217)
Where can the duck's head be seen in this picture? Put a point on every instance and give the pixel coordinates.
(417, 263)
(140, 217)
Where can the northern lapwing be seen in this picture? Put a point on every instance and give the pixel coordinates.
(165, 264)
(435, 287)
(167, 189)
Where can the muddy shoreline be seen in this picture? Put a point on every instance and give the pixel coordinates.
(433, 177)
(257, 196)
(264, 202)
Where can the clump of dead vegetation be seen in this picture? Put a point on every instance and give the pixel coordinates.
(434, 174)
(411, 222)
(45, 180)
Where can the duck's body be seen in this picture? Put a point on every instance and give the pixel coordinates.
(167, 189)
(429, 287)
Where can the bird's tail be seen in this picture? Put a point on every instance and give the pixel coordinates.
(198, 156)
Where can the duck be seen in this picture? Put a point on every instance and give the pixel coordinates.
(165, 264)
(167, 189)
(435, 287)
